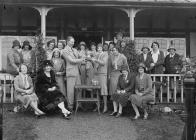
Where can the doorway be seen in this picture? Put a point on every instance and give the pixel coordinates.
(87, 37)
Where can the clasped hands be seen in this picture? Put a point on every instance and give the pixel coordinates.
(121, 91)
(52, 88)
(139, 93)
(27, 92)
(90, 59)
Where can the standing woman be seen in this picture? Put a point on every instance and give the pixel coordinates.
(24, 90)
(93, 49)
(101, 73)
(28, 56)
(158, 59)
(59, 69)
(14, 58)
(143, 92)
(117, 60)
(50, 47)
(48, 92)
(82, 66)
(61, 45)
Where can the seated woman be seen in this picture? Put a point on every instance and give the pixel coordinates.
(24, 90)
(143, 91)
(125, 88)
(48, 92)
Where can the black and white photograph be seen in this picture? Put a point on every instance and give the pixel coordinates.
(97, 69)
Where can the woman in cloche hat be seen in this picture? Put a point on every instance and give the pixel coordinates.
(48, 92)
(28, 55)
(143, 91)
(125, 88)
(14, 58)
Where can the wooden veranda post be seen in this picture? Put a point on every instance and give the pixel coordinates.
(189, 90)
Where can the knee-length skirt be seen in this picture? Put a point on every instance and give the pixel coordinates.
(26, 99)
(102, 78)
(121, 98)
(141, 101)
(61, 83)
(113, 81)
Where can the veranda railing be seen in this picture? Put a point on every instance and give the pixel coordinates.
(163, 85)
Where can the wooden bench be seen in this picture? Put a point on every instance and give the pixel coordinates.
(94, 95)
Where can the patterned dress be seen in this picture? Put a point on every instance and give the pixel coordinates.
(28, 59)
(24, 82)
(127, 85)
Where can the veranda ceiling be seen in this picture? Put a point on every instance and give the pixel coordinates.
(113, 3)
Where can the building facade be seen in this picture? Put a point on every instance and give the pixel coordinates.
(99, 20)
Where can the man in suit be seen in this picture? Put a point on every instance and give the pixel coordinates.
(146, 58)
(71, 56)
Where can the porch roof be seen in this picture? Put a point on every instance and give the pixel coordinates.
(109, 3)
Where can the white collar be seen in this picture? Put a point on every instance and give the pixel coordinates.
(158, 52)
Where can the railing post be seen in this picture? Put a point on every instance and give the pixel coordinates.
(189, 87)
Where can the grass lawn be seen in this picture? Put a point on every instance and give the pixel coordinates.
(160, 126)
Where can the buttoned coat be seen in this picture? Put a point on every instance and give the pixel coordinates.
(172, 63)
(158, 68)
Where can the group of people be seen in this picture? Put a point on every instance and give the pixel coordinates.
(101, 62)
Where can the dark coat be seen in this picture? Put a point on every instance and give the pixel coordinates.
(172, 64)
(147, 62)
(127, 85)
(49, 100)
(158, 68)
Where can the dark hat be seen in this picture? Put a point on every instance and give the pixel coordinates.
(16, 43)
(26, 43)
(124, 67)
(47, 63)
(145, 47)
(171, 47)
(141, 65)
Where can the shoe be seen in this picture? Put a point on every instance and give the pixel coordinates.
(38, 116)
(113, 114)
(118, 115)
(104, 111)
(69, 114)
(145, 117)
(136, 117)
(66, 117)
